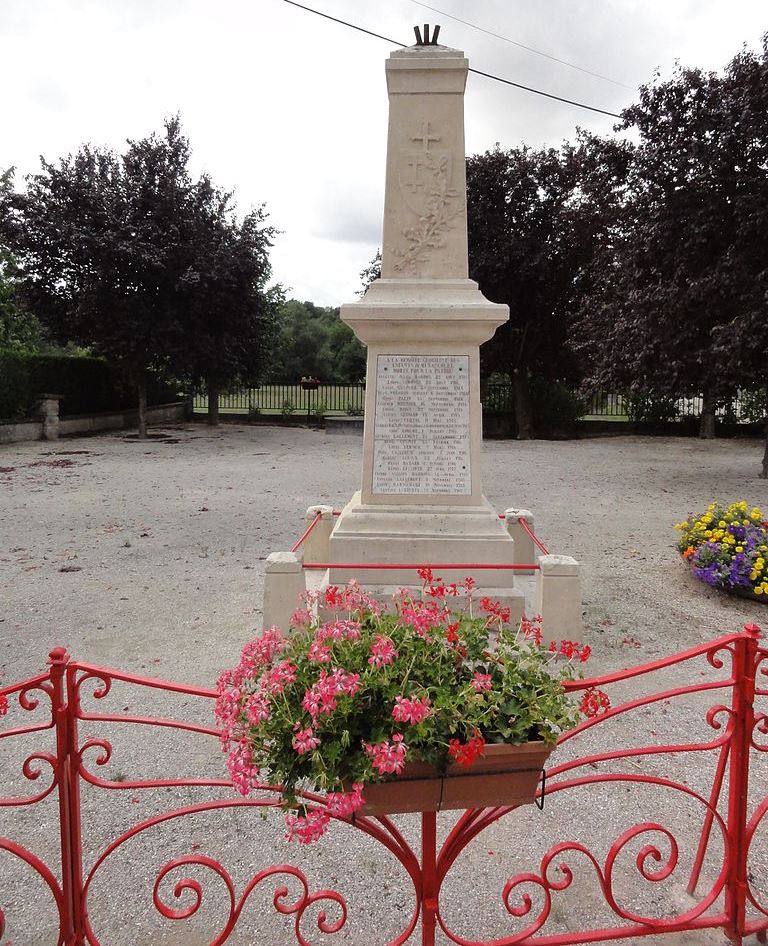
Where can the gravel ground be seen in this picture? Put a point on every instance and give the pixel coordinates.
(148, 557)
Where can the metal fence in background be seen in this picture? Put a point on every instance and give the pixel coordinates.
(289, 399)
(497, 398)
(738, 409)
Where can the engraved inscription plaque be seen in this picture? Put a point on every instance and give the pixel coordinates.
(421, 428)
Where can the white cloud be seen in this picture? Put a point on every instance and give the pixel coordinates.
(291, 110)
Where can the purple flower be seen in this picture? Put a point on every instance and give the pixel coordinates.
(740, 570)
(709, 574)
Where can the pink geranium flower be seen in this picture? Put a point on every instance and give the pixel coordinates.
(382, 652)
(319, 653)
(481, 681)
(305, 740)
(388, 758)
(242, 771)
(345, 804)
(412, 711)
(257, 708)
(307, 828)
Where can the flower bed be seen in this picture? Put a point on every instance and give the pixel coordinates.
(727, 548)
(360, 694)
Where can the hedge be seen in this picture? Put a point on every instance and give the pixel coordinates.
(86, 385)
(16, 395)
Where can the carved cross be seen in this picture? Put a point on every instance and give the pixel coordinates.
(425, 136)
(414, 182)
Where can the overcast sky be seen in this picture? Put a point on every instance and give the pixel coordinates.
(290, 110)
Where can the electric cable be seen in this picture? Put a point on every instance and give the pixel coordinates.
(530, 49)
(479, 72)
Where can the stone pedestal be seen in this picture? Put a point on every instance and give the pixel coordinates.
(316, 546)
(421, 498)
(558, 597)
(525, 551)
(283, 584)
(48, 409)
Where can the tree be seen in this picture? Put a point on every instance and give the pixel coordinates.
(313, 341)
(535, 218)
(678, 304)
(372, 271)
(121, 253)
(232, 315)
(19, 328)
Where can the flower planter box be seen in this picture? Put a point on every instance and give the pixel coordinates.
(746, 593)
(503, 775)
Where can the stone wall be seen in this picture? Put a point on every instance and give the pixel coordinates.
(14, 432)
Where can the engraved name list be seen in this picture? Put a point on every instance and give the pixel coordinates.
(421, 431)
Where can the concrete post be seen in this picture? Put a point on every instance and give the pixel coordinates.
(283, 583)
(524, 552)
(48, 409)
(558, 597)
(317, 547)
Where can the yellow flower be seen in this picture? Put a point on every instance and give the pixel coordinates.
(708, 534)
(758, 590)
(756, 514)
(739, 548)
(721, 524)
(746, 522)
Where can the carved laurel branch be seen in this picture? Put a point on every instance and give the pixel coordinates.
(443, 205)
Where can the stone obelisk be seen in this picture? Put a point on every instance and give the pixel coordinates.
(423, 321)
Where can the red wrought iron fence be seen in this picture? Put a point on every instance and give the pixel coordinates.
(706, 832)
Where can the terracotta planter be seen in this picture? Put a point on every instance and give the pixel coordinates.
(503, 775)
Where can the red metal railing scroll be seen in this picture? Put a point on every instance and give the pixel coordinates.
(722, 684)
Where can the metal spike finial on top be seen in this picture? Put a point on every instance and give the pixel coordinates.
(426, 41)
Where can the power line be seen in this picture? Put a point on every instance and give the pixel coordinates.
(487, 75)
(548, 95)
(530, 49)
(343, 22)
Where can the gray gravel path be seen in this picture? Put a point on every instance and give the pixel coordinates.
(149, 557)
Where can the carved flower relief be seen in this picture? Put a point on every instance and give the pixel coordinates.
(425, 183)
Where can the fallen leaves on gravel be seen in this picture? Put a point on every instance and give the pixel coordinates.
(64, 453)
(55, 463)
(71, 568)
(7, 469)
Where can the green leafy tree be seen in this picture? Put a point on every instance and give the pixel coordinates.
(678, 305)
(347, 352)
(535, 218)
(372, 271)
(232, 314)
(127, 254)
(313, 341)
(20, 330)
